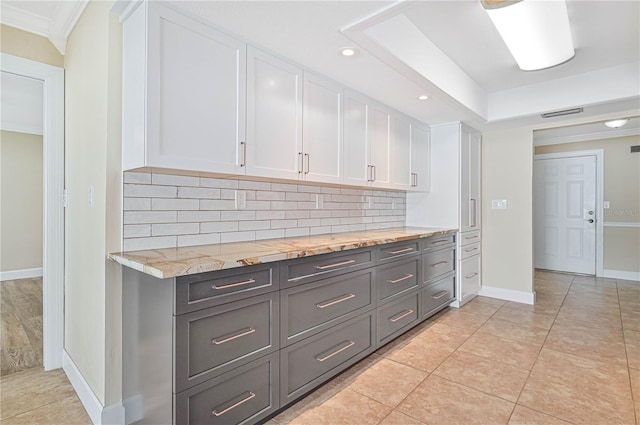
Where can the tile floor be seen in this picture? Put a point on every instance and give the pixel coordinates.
(573, 358)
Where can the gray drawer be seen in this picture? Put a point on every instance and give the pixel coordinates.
(437, 295)
(467, 238)
(213, 341)
(244, 395)
(390, 252)
(311, 308)
(204, 290)
(308, 363)
(397, 278)
(437, 263)
(469, 250)
(303, 270)
(438, 242)
(397, 316)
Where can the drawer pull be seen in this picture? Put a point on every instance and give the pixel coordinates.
(231, 285)
(330, 266)
(409, 276)
(441, 241)
(471, 237)
(340, 350)
(217, 341)
(402, 316)
(400, 251)
(471, 275)
(439, 295)
(441, 263)
(233, 406)
(470, 249)
(333, 302)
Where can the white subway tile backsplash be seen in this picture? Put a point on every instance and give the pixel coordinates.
(163, 210)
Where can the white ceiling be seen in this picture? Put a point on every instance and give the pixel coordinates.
(447, 49)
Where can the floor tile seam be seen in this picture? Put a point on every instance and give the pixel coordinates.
(474, 389)
(517, 340)
(32, 409)
(518, 323)
(500, 363)
(545, 413)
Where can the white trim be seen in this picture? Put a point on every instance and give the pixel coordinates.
(23, 20)
(599, 154)
(53, 213)
(621, 274)
(508, 294)
(21, 274)
(133, 409)
(586, 137)
(113, 414)
(17, 128)
(621, 224)
(124, 8)
(63, 20)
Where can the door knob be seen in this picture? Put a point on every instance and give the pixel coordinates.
(590, 220)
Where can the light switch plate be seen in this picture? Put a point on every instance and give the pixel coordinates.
(499, 204)
(606, 205)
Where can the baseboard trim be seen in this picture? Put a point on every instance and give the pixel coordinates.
(133, 409)
(621, 274)
(21, 274)
(99, 414)
(508, 294)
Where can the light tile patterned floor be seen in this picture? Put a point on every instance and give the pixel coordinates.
(573, 358)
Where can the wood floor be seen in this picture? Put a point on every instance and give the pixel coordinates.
(21, 325)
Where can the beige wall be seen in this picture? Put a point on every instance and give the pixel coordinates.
(92, 135)
(20, 201)
(507, 235)
(29, 46)
(622, 190)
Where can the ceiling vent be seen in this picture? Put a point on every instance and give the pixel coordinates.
(561, 113)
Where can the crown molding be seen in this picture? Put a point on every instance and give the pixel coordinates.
(24, 20)
(585, 137)
(124, 8)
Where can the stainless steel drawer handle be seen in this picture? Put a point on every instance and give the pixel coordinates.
(471, 237)
(231, 285)
(233, 406)
(409, 276)
(336, 301)
(340, 350)
(217, 341)
(402, 316)
(441, 263)
(440, 241)
(470, 249)
(400, 251)
(471, 275)
(439, 295)
(330, 266)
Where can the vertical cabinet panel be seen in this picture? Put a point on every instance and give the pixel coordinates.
(420, 158)
(322, 130)
(356, 139)
(381, 136)
(469, 180)
(274, 117)
(401, 153)
(195, 94)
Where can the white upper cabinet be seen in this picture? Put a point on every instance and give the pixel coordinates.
(381, 138)
(192, 114)
(401, 176)
(420, 158)
(322, 130)
(274, 117)
(469, 179)
(357, 170)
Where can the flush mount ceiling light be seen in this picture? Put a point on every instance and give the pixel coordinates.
(616, 123)
(423, 97)
(348, 51)
(536, 32)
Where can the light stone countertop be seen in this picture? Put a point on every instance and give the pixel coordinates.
(172, 262)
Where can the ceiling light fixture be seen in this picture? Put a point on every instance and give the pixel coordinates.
(537, 33)
(423, 97)
(616, 123)
(348, 51)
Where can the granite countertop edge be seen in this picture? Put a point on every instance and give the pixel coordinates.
(173, 262)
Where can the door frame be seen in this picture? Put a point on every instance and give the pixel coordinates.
(599, 154)
(52, 78)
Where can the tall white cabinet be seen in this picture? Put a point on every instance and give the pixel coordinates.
(454, 200)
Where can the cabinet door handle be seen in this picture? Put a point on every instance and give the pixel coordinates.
(218, 341)
(233, 406)
(369, 173)
(300, 163)
(439, 295)
(243, 162)
(400, 251)
(471, 275)
(335, 301)
(416, 184)
(306, 155)
(471, 237)
(330, 266)
(409, 276)
(441, 263)
(402, 316)
(231, 285)
(472, 212)
(441, 241)
(470, 249)
(373, 173)
(340, 350)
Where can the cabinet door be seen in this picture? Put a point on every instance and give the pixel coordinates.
(356, 139)
(420, 158)
(195, 95)
(274, 117)
(381, 136)
(322, 130)
(475, 178)
(469, 180)
(401, 153)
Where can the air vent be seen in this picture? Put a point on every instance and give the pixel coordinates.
(635, 149)
(561, 113)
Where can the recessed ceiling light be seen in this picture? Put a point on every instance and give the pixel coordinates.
(348, 51)
(616, 123)
(423, 97)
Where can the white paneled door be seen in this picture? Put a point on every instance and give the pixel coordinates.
(565, 214)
